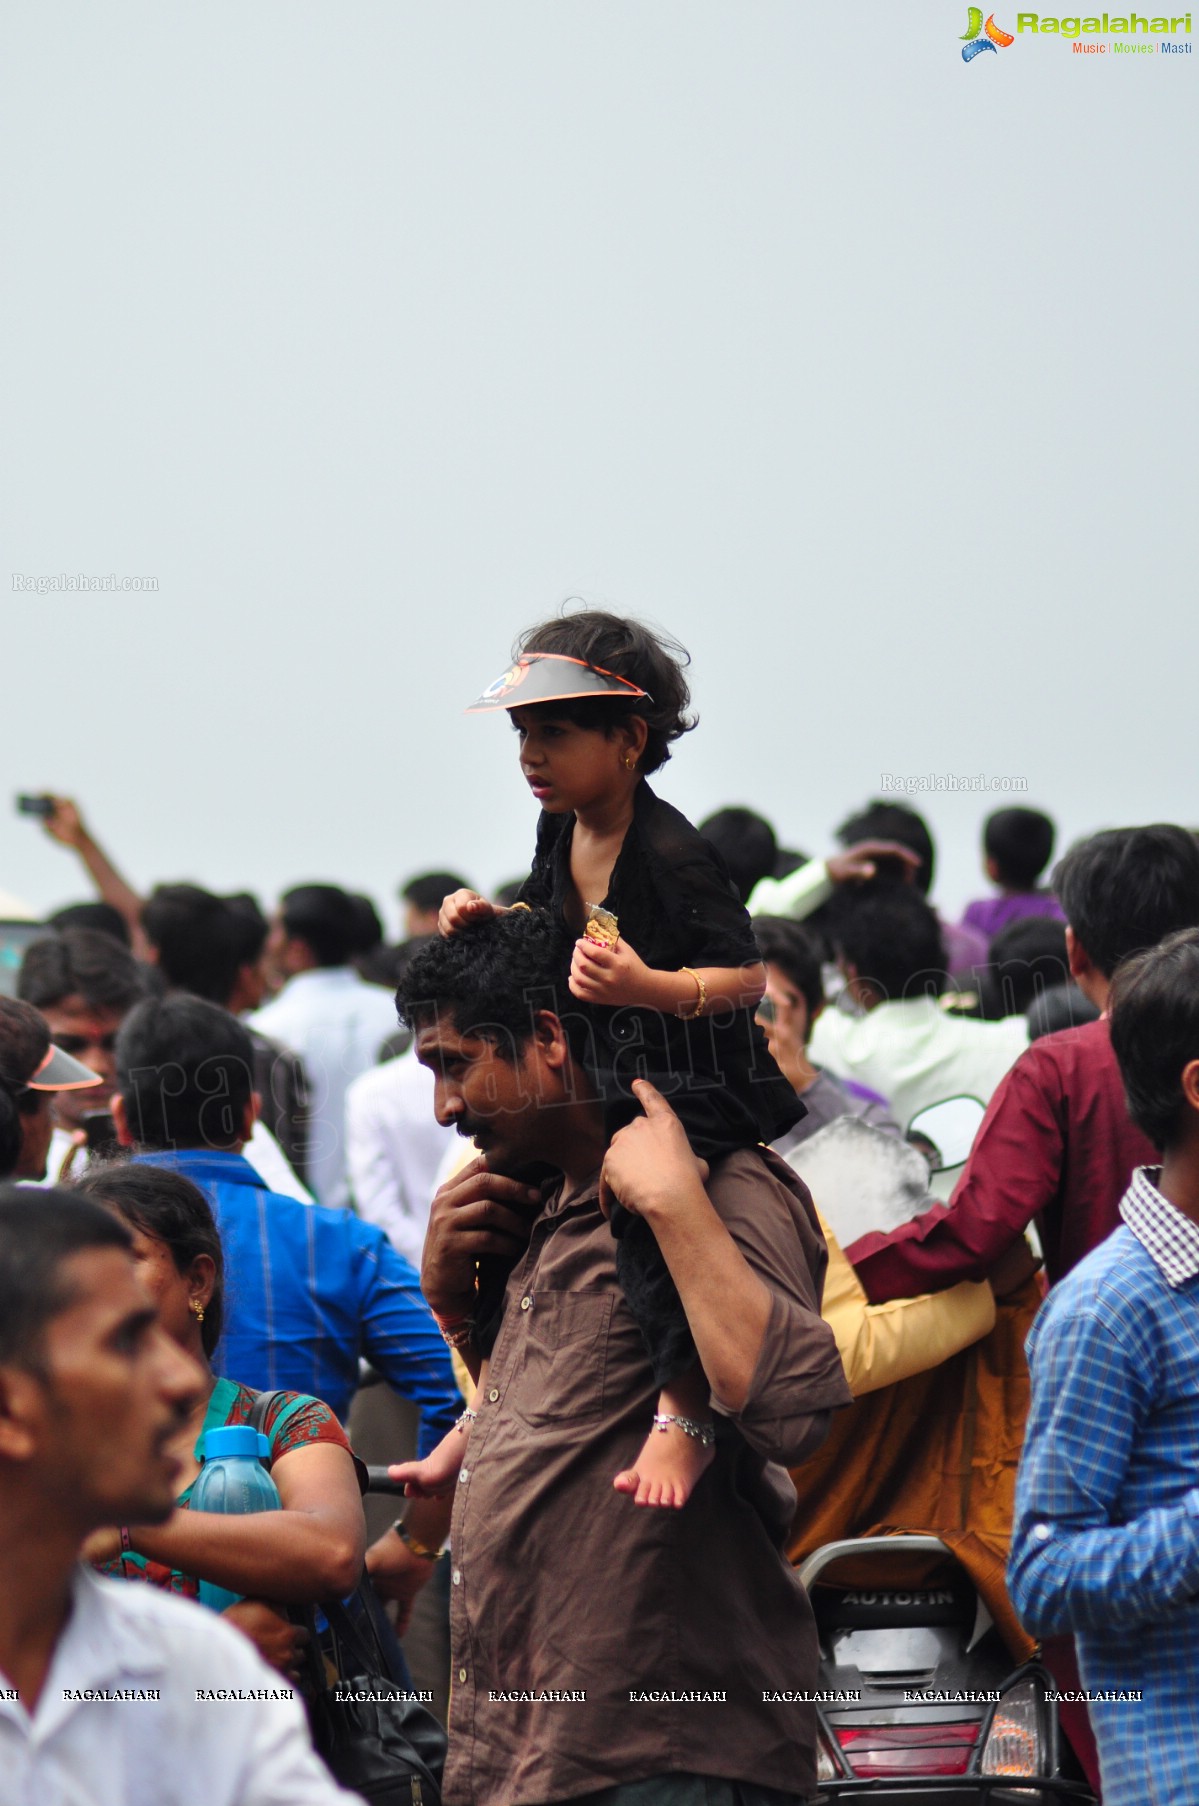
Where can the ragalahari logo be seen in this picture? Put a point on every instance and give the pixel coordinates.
(973, 41)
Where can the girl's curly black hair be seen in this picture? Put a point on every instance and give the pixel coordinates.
(651, 660)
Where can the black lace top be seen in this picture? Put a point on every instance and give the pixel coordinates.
(676, 906)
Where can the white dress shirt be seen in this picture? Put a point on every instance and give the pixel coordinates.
(337, 1023)
(918, 1054)
(168, 1747)
(395, 1145)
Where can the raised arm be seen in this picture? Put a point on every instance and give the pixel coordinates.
(67, 826)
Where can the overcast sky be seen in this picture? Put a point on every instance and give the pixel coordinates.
(374, 332)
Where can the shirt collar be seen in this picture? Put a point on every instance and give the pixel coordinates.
(217, 1164)
(1167, 1236)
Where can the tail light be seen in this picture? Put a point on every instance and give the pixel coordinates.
(909, 1749)
(1015, 1740)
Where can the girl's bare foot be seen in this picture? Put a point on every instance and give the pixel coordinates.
(670, 1464)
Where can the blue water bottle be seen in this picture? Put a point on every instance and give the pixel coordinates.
(232, 1479)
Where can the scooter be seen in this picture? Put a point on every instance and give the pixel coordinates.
(917, 1696)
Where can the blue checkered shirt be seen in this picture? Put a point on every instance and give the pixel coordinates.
(1106, 1540)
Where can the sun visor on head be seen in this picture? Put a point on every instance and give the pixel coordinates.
(61, 1071)
(551, 677)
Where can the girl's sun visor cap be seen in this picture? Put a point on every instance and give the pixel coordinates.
(552, 677)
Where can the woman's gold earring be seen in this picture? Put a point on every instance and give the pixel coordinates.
(198, 1308)
(630, 763)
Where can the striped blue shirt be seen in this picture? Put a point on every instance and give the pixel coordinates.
(1106, 1540)
(308, 1291)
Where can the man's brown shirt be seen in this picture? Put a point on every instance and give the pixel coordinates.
(562, 1586)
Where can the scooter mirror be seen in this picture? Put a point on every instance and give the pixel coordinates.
(945, 1132)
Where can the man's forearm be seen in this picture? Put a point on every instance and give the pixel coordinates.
(726, 1304)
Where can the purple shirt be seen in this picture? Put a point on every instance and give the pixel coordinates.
(990, 914)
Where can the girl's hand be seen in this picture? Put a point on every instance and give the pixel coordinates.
(461, 907)
(102, 1546)
(612, 975)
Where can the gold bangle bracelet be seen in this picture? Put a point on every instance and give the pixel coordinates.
(701, 1000)
(421, 1550)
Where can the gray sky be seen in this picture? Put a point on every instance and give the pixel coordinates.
(374, 332)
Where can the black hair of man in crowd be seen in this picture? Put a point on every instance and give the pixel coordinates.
(104, 918)
(326, 918)
(1127, 888)
(81, 962)
(1019, 845)
(1155, 1035)
(746, 842)
(185, 1071)
(40, 1230)
(491, 979)
(632, 650)
(797, 954)
(890, 935)
(893, 821)
(197, 937)
(1025, 959)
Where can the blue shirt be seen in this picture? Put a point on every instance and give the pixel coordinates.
(1106, 1540)
(308, 1291)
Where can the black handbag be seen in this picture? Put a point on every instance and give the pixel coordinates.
(386, 1747)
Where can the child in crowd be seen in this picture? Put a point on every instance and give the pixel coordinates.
(1017, 846)
(664, 954)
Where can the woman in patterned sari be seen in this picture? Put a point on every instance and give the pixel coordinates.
(310, 1550)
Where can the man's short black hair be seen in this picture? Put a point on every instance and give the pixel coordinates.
(1124, 890)
(197, 937)
(369, 925)
(326, 918)
(251, 926)
(746, 843)
(105, 918)
(1155, 1032)
(890, 934)
(1020, 841)
(797, 953)
(185, 1070)
(80, 962)
(630, 649)
(40, 1229)
(491, 978)
(428, 890)
(1024, 959)
(893, 821)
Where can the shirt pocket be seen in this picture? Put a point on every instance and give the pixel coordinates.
(565, 1356)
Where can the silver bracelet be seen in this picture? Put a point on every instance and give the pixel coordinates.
(466, 1419)
(701, 1432)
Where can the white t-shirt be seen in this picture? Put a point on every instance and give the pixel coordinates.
(395, 1145)
(203, 1720)
(337, 1023)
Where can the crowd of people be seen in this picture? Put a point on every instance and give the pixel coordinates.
(684, 1309)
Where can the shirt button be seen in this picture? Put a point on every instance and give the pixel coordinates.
(457, 1577)
(1041, 1532)
(525, 1303)
(462, 1674)
(494, 1394)
(464, 1476)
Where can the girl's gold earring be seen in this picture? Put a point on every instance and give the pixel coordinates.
(198, 1308)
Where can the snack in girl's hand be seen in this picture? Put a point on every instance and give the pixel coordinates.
(602, 926)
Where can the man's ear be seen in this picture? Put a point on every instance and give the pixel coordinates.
(991, 868)
(120, 1118)
(1077, 957)
(18, 1390)
(551, 1040)
(634, 733)
(1190, 1084)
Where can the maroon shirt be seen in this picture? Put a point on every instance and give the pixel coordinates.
(1056, 1144)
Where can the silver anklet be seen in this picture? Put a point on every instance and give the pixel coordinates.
(466, 1419)
(702, 1432)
